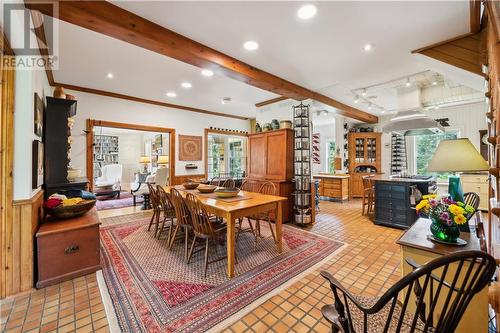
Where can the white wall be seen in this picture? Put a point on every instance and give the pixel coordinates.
(113, 109)
(27, 83)
(468, 119)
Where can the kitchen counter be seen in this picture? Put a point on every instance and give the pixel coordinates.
(334, 186)
(392, 199)
(331, 175)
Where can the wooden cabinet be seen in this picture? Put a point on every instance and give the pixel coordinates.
(271, 155)
(331, 186)
(364, 158)
(477, 183)
(67, 248)
(270, 158)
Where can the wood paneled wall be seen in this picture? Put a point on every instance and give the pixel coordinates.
(491, 47)
(20, 236)
(179, 179)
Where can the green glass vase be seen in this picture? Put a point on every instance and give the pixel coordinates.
(445, 232)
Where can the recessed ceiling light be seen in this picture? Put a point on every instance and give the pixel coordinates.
(207, 72)
(368, 47)
(186, 85)
(363, 93)
(307, 11)
(109, 76)
(382, 111)
(171, 94)
(251, 45)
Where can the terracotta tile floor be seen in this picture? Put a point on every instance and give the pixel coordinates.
(369, 265)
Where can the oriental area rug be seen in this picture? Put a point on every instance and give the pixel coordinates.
(153, 289)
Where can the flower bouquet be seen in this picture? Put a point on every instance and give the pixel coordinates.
(445, 214)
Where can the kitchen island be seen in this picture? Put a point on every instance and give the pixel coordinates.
(333, 185)
(393, 206)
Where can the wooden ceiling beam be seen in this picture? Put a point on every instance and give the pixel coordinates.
(475, 16)
(37, 18)
(144, 100)
(108, 19)
(271, 101)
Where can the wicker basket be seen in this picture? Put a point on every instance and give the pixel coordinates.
(67, 212)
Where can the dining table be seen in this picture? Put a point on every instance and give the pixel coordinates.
(231, 209)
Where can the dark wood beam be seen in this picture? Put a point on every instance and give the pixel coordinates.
(5, 47)
(475, 16)
(271, 101)
(144, 100)
(108, 19)
(37, 18)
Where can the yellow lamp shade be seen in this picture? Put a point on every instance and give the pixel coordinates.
(145, 159)
(457, 155)
(163, 159)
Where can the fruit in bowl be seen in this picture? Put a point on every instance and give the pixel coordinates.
(202, 188)
(190, 185)
(227, 192)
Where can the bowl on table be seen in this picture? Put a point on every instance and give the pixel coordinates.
(206, 188)
(190, 185)
(66, 212)
(227, 192)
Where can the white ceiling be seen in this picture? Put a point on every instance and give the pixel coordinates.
(86, 57)
(324, 54)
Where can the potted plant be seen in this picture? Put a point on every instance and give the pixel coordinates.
(445, 214)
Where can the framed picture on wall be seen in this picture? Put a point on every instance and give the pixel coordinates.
(158, 141)
(190, 148)
(37, 164)
(38, 115)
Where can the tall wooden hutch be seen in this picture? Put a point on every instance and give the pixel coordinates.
(364, 158)
(270, 158)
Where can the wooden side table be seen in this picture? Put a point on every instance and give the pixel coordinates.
(67, 248)
(415, 245)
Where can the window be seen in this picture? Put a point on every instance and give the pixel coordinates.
(331, 148)
(227, 155)
(425, 146)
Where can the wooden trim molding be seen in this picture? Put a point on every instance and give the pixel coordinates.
(475, 16)
(146, 101)
(271, 101)
(37, 18)
(108, 19)
(8, 234)
(205, 143)
(91, 123)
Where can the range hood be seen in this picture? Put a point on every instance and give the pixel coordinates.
(410, 120)
(411, 123)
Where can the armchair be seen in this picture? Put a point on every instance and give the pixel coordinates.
(438, 303)
(111, 175)
(140, 185)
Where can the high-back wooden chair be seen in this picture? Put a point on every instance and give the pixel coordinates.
(368, 199)
(247, 186)
(183, 218)
(156, 206)
(228, 183)
(270, 189)
(437, 282)
(204, 228)
(471, 199)
(168, 210)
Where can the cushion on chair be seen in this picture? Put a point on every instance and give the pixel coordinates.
(377, 322)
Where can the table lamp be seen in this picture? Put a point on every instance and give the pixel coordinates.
(163, 160)
(145, 160)
(456, 155)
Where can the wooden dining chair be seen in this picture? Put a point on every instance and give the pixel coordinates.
(368, 199)
(155, 204)
(183, 219)
(168, 210)
(216, 181)
(471, 199)
(228, 183)
(437, 282)
(247, 186)
(204, 228)
(270, 189)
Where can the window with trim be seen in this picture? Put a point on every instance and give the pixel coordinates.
(331, 148)
(227, 155)
(425, 146)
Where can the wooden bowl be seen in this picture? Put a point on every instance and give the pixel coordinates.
(227, 192)
(190, 186)
(206, 188)
(66, 212)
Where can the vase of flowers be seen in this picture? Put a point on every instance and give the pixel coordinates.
(446, 215)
